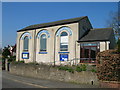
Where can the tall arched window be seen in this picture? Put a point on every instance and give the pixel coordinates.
(43, 42)
(26, 43)
(64, 41)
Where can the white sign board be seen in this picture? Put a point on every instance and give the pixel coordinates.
(64, 39)
(25, 55)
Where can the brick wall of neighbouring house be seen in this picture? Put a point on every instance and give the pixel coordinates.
(47, 72)
(109, 84)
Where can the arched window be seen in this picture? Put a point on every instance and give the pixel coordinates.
(26, 43)
(43, 42)
(64, 41)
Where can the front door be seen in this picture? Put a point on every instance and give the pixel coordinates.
(88, 52)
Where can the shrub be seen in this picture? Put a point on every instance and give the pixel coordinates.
(93, 70)
(12, 58)
(18, 62)
(108, 65)
(70, 70)
(33, 63)
(83, 66)
(62, 68)
(78, 69)
(73, 68)
(66, 68)
(21, 61)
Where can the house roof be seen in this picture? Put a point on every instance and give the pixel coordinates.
(14, 48)
(61, 22)
(100, 34)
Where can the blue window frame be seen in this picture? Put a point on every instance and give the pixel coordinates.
(26, 43)
(43, 42)
(64, 41)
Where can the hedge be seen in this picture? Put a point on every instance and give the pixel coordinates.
(108, 65)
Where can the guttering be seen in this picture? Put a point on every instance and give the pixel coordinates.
(54, 46)
(19, 48)
(75, 51)
(91, 40)
(35, 39)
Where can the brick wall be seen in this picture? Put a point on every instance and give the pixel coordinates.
(109, 84)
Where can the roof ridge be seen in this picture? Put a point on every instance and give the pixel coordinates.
(64, 21)
(59, 20)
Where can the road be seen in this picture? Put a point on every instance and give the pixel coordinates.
(14, 81)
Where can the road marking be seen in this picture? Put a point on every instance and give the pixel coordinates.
(39, 86)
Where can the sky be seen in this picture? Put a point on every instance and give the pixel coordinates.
(17, 15)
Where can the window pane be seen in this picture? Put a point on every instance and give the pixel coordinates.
(43, 42)
(64, 34)
(26, 43)
(64, 41)
(63, 47)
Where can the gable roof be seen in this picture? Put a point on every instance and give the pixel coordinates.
(61, 22)
(100, 34)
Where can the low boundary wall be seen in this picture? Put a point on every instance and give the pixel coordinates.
(53, 73)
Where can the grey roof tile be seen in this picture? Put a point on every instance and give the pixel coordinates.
(61, 22)
(100, 34)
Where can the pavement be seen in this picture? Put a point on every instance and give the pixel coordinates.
(14, 81)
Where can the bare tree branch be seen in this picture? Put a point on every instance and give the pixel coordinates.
(114, 22)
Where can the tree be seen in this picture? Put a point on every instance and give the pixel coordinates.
(5, 55)
(0, 50)
(114, 22)
(6, 52)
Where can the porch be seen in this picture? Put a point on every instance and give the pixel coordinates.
(88, 52)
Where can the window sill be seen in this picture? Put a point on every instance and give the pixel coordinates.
(25, 50)
(42, 52)
(63, 52)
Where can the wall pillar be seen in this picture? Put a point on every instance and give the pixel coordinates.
(6, 65)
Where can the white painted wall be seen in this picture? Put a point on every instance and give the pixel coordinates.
(49, 57)
(104, 46)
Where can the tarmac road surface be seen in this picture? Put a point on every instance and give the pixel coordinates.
(14, 81)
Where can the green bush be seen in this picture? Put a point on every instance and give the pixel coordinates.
(70, 70)
(78, 69)
(12, 58)
(33, 63)
(66, 68)
(21, 61)
(17, 62)
(83, 66)
(6, 52)
(74, 68)
(62, 68)
(93, 70)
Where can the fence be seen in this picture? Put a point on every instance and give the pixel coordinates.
(76, 61)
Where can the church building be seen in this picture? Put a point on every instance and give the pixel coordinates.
(69, 41)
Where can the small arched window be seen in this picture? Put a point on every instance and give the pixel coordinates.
(64, 41)
(26, 43)
(43, 42)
